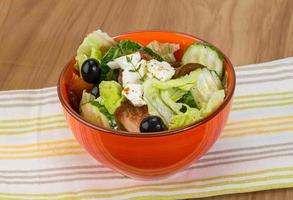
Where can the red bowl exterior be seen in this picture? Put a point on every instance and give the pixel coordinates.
(148, 156)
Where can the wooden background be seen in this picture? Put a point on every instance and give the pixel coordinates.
(38, 37)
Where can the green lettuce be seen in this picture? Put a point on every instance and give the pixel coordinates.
(177, 107)
(163, 101)
(110, 92)
(176, 94)
(191, 116)
(214, 102)
(156, 105)
(184, 82)
(185, 100)
(94, 45)
(188, 99)
(184, 114)
(166, 97)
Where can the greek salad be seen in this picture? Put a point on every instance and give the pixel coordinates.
(145, 89)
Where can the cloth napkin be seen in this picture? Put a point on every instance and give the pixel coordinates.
(40, 159)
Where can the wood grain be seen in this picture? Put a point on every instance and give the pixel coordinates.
(38, 37)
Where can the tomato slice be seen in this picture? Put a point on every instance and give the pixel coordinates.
(77, 85)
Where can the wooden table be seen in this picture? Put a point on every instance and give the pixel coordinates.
(38, 37)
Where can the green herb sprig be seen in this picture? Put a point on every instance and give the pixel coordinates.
(135, 69)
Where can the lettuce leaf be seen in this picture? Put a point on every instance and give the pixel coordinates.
(188, 99)
(214, 102)
(94, 45)
(177, 94)
(166, 97)
(184, 82)
(177, 107)
(156, 105)
(191, 116)
(110, 92)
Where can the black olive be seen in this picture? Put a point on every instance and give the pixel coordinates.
(95, 91)
(90, 70)
(152, 124)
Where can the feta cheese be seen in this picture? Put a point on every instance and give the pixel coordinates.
(134, 74)
(135, 70)
(122, 62)
(130, 77)
(133, 92)
(162, 71)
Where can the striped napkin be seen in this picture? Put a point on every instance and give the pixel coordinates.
(40, 159)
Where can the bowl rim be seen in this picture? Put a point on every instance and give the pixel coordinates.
(74, 114)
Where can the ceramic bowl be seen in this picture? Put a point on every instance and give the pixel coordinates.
(146, 156)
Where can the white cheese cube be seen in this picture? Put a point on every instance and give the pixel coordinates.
(123, 63)
(133, 92)
(162, 71)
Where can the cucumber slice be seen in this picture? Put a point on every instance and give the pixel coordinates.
(94, 112)
(205, 54)
(91, 113)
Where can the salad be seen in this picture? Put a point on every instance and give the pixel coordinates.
(135, 88)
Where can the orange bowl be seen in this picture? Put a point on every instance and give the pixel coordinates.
(147, 156)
